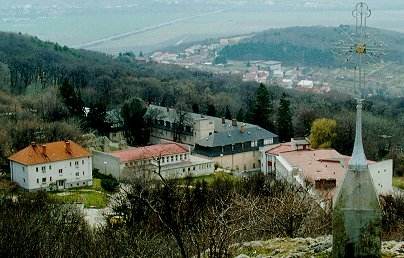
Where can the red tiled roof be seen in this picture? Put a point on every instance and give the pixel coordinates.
(280, 148)
(50, 152)
(148, 152)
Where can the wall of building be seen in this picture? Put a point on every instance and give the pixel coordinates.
(382, 176)
(193, 169)
(106, 164)
(239, 162)
(284, 171)
(70, 173)
(159, 135)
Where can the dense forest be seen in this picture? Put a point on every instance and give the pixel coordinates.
(45, 87)
(311, 46)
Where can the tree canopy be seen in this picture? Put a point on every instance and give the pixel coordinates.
(323, 133)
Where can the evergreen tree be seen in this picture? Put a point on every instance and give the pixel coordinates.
(96, 117)
(72, 99)
(240, 115)
(195, 108)
(135, 127)
(227, 113)
(211, 110)
(262, 110)
(284, 121)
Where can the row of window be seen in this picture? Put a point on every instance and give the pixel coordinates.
(201, 166)
(172, 158)
(43, 168)
(167, 159)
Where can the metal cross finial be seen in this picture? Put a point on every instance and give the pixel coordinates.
(359, 50)
(361, 13)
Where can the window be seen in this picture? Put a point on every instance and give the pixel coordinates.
(254, 144)
(70, 163)
(60, 171)
(23, 168)
(37, 180)
(189, 169)
(126, 164)
(50, 167)
(181, 157)
(172, 158)
(43, 169)
(84, 183)
(77, 173)
(193, 168)
(268, 141)
(78, 184)
(83, 173)
(162, 159)
(82, 162)
(44, 180)
(76, 163)
(185, 156)
(50, 179)
(176, 157)
(23, 179)
(36, 169)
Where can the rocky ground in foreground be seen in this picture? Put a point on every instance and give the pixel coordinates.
(303, 247)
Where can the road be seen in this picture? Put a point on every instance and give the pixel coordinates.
(98, 42)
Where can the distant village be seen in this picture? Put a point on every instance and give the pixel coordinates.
(203, 56)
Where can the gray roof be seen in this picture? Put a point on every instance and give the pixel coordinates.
(170, 115)
(225, 134)
(235, 136)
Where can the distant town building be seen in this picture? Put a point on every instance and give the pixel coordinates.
(308, 84)
(51, 166)
(172, 160)
(296, 162)
(230, 144)
(256, 76)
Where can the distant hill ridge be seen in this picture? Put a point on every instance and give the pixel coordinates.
(311, 46)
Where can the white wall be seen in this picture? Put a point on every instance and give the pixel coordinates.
(382, 175)
(72, 175)
(107, 164)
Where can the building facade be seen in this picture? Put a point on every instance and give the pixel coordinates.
(170, 160)
(296, 163)
(228, 143)
(51, 166)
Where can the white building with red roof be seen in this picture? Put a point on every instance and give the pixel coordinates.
(56, 165)
(324, 169)
(172, 160)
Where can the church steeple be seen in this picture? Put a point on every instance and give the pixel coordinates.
(358, 160)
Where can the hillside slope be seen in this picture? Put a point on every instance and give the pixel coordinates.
(313, 46)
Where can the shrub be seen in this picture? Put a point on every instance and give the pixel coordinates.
(109, 184)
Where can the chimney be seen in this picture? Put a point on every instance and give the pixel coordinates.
(242, 128)
(68, 147)
(223, 120)
(234, 122)
(44, 150)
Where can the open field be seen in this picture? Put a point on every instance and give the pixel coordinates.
(91, 197)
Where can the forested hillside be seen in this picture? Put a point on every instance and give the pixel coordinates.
(312, 46)
(44, 88)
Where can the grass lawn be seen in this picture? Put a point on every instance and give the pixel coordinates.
(91, 196)
(398, 182)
